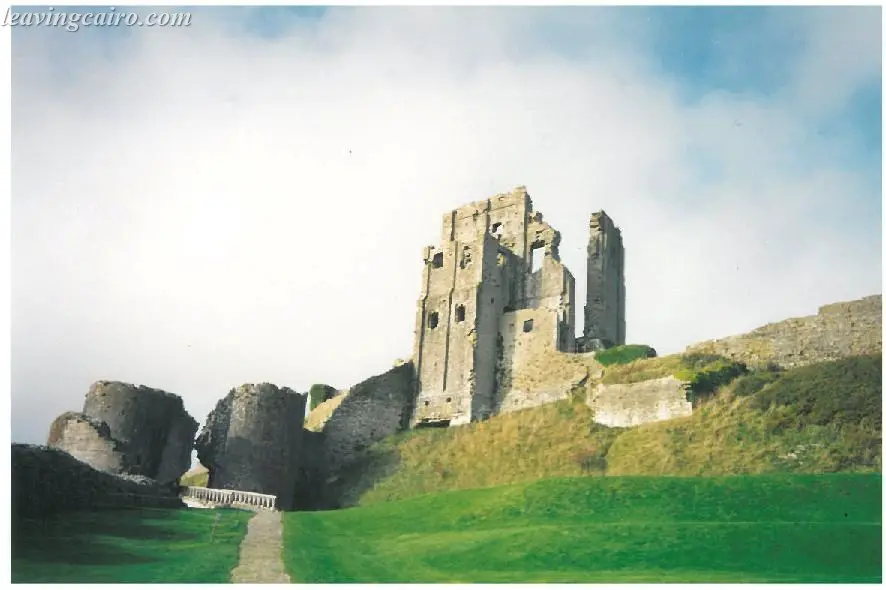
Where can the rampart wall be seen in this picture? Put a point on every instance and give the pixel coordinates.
(838, 330)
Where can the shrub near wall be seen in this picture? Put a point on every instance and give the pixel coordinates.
(620, 355)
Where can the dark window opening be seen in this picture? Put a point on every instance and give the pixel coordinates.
(438, 260)
(427, 404)
(433, 424)
(448, 399)
(459, 313)
(433, 319)
(527, 326)
(497, 229)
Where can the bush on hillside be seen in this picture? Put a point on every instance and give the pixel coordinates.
(843, 392)
(621, 355)
(704, 383)
(753, 382)
(319, 393)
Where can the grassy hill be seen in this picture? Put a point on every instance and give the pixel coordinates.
(819, 418)
(770, 528)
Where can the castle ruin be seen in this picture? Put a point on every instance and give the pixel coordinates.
(495, 296)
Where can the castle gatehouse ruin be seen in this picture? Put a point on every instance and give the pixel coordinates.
(496, 299)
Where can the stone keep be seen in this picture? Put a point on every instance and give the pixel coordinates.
(251, 441)
(495, 296)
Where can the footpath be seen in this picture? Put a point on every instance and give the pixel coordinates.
(261, 552)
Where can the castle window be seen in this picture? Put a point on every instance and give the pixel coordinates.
(527, 326)
(438, 260)
(448, 399)
(433, 319)
(497, 229)
(465, 257)
(536, 254)
(459, 313)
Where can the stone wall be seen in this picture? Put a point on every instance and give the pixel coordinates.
(88, 440)
(311, 473)
(838, 330)
(251, 441)
(531, 371)
(129, 429)
(639, 403)
(605, 308)
(372, 410)
(152, 425)
(46, 481)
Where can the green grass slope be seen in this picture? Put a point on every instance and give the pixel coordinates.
(820, 418)
(773, 528)
(144, 546)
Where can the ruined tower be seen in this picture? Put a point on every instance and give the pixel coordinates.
(605, 309)
(494, 287)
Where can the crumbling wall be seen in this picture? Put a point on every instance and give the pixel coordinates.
(45, 481)
(638, 403)
(605, 308)
(251, 441)
(837, 331)
(372, 410)
(311, 473)
(88, 440)
(531, 371)
(497, 255)
(151, 425)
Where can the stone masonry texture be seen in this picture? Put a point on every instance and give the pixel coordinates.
(639, 403)
(88, 440)
(372, 410)
(251, 441)
(605, 309)
(838, 330)
(495, 297)
(130, 429)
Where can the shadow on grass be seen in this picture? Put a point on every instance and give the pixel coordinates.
(93, 537)
(345, 489)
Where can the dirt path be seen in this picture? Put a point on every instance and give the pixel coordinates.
(261, 552)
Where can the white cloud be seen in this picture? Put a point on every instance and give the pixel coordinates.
(204, 209)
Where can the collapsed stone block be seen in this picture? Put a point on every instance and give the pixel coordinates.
(250, 441)
(129, 429)
(88, 440)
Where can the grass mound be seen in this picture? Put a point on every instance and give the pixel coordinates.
(820, 418)
(620, 355)
(143, 546)
(553, 440)
(777, 528)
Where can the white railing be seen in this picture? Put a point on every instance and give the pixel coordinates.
(230, 497)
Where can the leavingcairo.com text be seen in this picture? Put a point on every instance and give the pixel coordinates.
(108, 17)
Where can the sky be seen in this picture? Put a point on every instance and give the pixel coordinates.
(246, 199)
